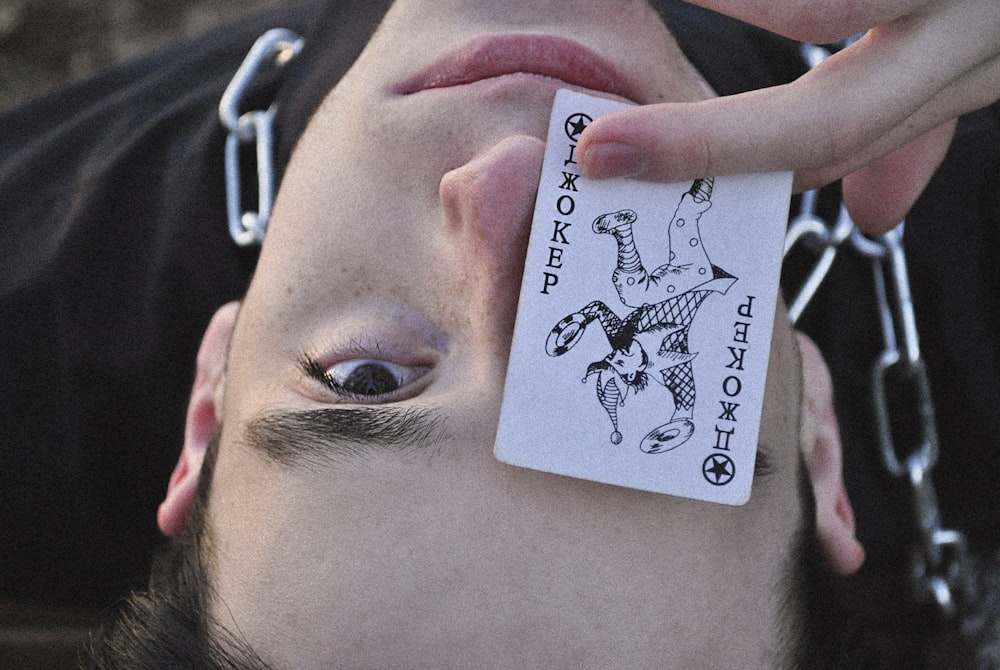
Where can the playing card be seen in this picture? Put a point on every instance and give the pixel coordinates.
(643, 330)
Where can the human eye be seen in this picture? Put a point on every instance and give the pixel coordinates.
(366, 380)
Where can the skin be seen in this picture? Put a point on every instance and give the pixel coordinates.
(881, 112)
(432, 553)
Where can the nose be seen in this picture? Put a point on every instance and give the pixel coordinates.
(488, 201)
(487, 205)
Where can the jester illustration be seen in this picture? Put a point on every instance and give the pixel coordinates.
(651, 342)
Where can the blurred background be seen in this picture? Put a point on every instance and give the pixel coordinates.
(44, 43)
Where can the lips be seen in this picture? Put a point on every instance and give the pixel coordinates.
(544, 55)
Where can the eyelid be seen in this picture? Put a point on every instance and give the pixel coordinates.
(320, 373)
(375, 332)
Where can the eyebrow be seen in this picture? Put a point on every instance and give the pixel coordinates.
(330, 435)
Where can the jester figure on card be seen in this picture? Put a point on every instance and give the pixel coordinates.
(651, 342)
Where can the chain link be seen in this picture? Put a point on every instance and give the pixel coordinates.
(897, 319)
(808, 229)
(938, 561)
(254, 127)
(939, 558)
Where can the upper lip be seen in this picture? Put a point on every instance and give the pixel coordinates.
(547, 55)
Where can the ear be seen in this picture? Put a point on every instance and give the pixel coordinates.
(203, 417)
(822, 454)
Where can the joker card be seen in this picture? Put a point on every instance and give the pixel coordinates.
(643, 330)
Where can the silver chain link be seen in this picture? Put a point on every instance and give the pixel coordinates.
(939, 557)
(809, 229)
(253, 127)
(937, 563)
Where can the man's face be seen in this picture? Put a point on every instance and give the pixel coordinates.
(376, 332)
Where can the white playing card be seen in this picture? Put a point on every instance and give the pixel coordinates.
(643, 330)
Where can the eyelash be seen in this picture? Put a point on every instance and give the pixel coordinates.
(404, 377)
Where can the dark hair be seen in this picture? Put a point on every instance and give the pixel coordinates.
(167, 626)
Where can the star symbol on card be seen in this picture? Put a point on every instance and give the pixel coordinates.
(718, 469)
(576, 124)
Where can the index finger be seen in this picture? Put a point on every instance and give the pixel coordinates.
(854, 108)
(816, 21)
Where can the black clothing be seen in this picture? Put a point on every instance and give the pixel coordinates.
(114, 253)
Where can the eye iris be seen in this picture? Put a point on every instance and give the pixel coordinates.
(370, 379)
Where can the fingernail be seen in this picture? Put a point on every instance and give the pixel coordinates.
(613, 159)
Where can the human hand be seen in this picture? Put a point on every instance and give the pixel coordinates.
(881, 111)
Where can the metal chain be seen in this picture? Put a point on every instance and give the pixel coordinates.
(939, 568)
(809, 229)
(938, 561)
(257, 127)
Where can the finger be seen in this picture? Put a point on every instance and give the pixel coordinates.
(770, 129)
(880, 194)
(857, 106)
(823, 118)
(976, 89)
(816, 21)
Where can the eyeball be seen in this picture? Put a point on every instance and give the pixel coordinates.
(368, 378)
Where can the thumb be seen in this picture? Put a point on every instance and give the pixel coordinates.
(880, 194)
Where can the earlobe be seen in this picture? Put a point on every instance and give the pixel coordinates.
(202, 420)
(822, 454)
